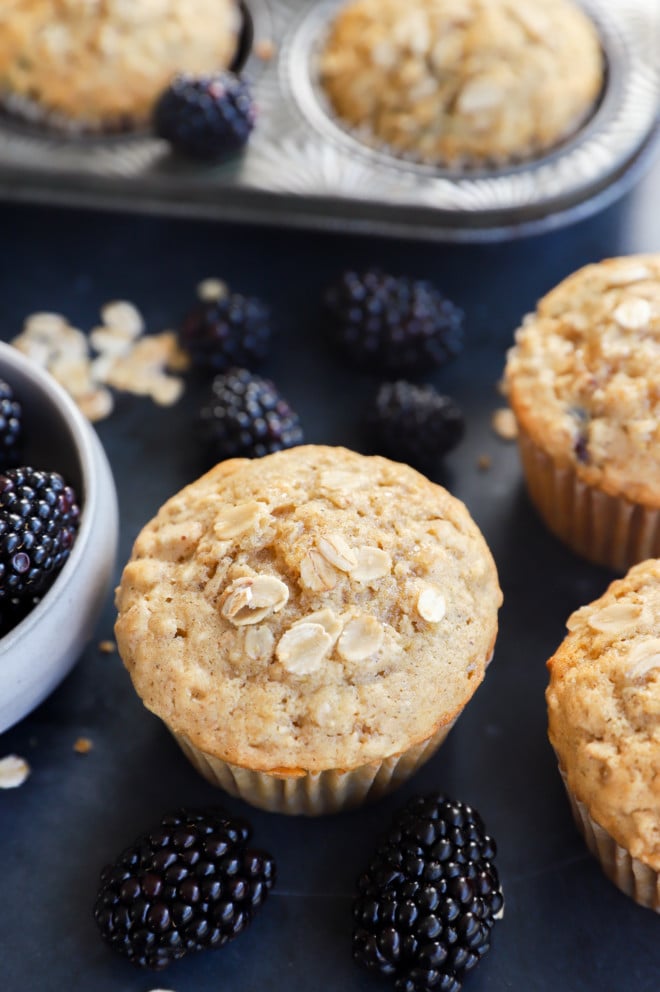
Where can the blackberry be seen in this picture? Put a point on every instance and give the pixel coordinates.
(205, 117)
(232, 330)
(39, 520)
(11, 427)
(412, 423)
(189, 884)
(247, 417)
(427, 902)
(392, 324)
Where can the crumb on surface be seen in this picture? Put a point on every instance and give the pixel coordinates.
(265, 49)
(484, 463)
(504, 424)
(83, 745)
(107, 647)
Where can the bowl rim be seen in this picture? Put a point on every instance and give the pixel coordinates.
(81, 433)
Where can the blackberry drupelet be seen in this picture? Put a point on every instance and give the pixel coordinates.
(416, 424)
(233, 330)
(39, 520)
(206, 117)
(392, 324)
(11, 427)
(189, 884)
(247, 417)
(427, 902)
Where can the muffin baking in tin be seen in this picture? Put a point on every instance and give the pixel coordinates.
(476, 83)
(100, 66)
(501, 168)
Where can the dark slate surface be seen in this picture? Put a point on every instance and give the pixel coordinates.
(566, 927)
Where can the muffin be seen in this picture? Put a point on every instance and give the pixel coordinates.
(604, 724)
(583, 381)
(101, 65)
(463, 82)
(309, 624)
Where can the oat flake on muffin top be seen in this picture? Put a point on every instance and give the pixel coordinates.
(312, 609)
(584, 376)
(103, 63)
(463, 82)
(604, 710)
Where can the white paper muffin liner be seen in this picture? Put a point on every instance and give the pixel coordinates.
(607, 530)
(313, 793)
(632, 876)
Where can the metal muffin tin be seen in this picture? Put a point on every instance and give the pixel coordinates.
(303, 168)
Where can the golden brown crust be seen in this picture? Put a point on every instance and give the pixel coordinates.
(604, 710)
(313, 609)
(584, 377)
(463, 82)
(103, 63)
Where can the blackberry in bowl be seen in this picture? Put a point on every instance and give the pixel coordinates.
(60, 502)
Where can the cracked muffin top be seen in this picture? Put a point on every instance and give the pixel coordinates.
(584, 376)
(604, 710)
(463, 82)
(103, 63)
(311, 609)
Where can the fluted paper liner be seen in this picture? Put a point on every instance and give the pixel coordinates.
(607, 530)
(313, 793)
(632, 876)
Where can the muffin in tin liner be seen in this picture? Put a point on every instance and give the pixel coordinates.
(581, 380)
(604, 528)
(309, 625)
(635, 878)
(299, 791)
(603, 700)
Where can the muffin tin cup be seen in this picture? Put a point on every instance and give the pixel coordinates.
(305, 169)
(24, 110)
(607, 530)
(318, 793)
(632, 876)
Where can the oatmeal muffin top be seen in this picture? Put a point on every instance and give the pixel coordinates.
(604, 710)
(584, 376)
(103, 63)
(312, 609)
(463, 82)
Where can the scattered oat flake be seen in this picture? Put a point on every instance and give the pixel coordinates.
(83, 745)
(210, 290)
(115, 354)
(166, 390)
(96, 405)
(13, 771)
(107, 647)
(504, 424)
(484, 462)
(124, 317)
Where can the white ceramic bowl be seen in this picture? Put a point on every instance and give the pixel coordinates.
(37, 654)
